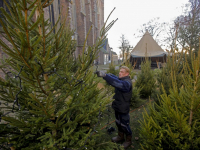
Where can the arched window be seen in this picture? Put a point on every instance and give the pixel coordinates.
(54, 12)
(2, 4)
(82, 6)
(96, 17)
(73, 17)
(90, 10)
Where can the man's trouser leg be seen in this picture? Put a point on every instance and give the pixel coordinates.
(122, 122)
(125, 121)
(120, 136)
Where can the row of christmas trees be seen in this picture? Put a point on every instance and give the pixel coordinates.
(173, 120)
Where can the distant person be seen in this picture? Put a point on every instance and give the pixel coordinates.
(121, 103)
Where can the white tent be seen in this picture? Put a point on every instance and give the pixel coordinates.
(148, 47)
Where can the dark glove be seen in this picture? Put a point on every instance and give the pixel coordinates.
(100, 73)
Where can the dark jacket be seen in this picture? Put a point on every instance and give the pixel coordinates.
(123, 92)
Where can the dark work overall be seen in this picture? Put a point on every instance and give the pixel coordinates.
(121, 105)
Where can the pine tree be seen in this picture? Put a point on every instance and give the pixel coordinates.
(49, 98)
(129, 64)
(174, 124)
(164, 77)
(135, 99)
(173, 68)
(145, 79)
(112, 69)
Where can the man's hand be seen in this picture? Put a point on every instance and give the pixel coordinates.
(100, 73)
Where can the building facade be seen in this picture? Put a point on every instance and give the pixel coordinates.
(81, 16)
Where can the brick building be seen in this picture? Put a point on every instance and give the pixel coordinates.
(82, 14)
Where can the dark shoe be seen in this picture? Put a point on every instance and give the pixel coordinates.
(118, 138)
(128, 142)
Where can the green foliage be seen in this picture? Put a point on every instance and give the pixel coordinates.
(173, 71)
(108, 88)
(145, 79)
(157, 72)
(174, 123)
(112, 69)
(130, 66)
(156, 91)
(116, 71)
(164, 76)
(135, 96)
(59, 102)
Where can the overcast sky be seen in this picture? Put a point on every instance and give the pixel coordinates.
(132, 14)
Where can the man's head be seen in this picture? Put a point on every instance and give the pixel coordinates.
(124, 71)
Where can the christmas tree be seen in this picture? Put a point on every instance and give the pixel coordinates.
(174, 123)
(145, 79)
(165, 76)
(48, 97)
(173, 68)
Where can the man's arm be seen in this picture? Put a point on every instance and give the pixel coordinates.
(103, 74)
(124, 86)
(114, 76)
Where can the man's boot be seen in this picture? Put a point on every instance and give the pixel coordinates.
(119, 137)
(128, 141)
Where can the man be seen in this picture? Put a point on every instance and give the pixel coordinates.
(121, 103)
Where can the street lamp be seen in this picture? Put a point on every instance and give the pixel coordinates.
(111, 54)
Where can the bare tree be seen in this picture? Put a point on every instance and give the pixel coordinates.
(189, 27)
(124, 46)
(170, 36)
(154, 27)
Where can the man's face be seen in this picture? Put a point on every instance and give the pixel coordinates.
(123, 73)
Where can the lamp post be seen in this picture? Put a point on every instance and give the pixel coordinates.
(111, 54)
